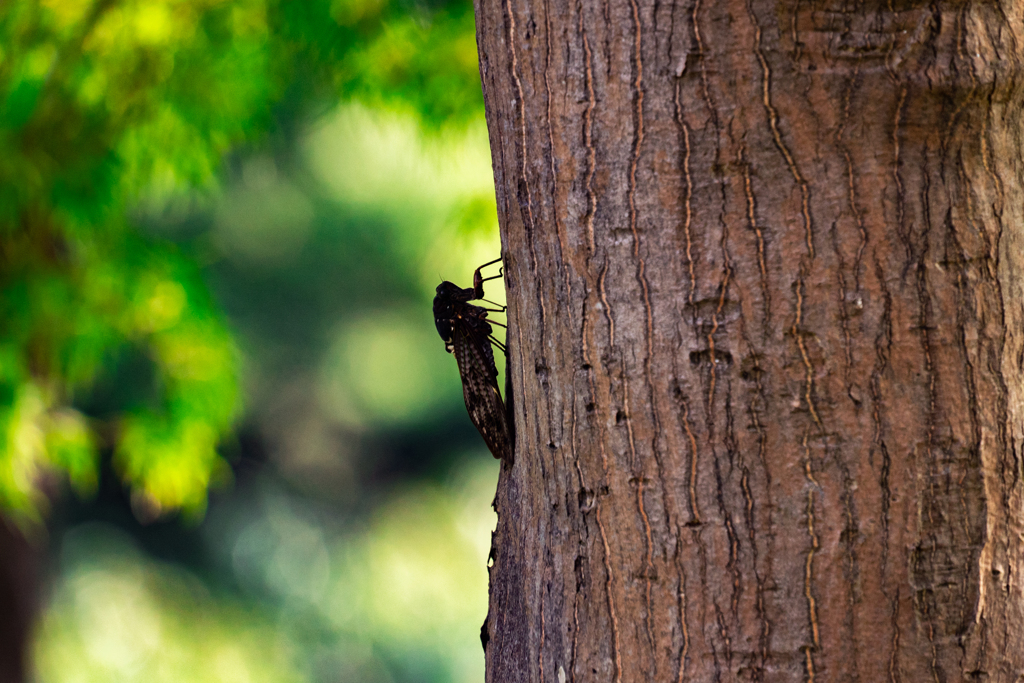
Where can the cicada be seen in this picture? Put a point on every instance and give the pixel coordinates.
(467, 333)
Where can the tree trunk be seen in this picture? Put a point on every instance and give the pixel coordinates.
(764, 264)
(18, 601)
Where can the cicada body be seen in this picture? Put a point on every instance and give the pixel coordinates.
(467, 333)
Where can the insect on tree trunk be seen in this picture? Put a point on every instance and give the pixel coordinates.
(764, 271)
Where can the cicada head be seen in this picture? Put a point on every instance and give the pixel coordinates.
(444, 311)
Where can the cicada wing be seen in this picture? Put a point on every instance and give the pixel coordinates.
(480, 385)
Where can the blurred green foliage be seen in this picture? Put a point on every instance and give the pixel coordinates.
(111, 105)
(117, 615)
(205, 204)
(353, 544)
(399, 597)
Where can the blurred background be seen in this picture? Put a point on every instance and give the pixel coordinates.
(232, 447)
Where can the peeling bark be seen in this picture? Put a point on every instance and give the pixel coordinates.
(764, 267)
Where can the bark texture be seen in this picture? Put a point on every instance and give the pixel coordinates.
(764, 262)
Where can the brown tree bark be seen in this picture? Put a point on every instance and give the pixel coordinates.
(764, 266)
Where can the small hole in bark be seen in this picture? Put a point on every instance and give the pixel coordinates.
(577, 567)
(619, 416)
(750, 368)
(589, 407)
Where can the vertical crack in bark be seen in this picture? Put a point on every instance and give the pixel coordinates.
(844, 316)
(693, 525)
(648, 540)
(735, 460)
(748, 514)
(609, 583)
(927, 602)
(794, 32)
(732, 564)
(798, 334)
(986, 160)
(723, 287)
(638, 136)
(604, 302)
(812, 609)
(694, 503)
(852, 526)
(522, 128)
(606, 8)
(638, 141)
(934, 648)
(762, 264)
(582, 525)
(852, 569)
(963, 312)
(588, 141)
(684, 652)
(540, 648)
(990, 273)
(851, 186)
(616, 655)
(520, 347)
(773, 123)
(720, 484)
(1004, 444)
(762, 442)
(813, 485)
(687, 194)
(695, 522)
(723, 633)
(883, 349)
(705, 597)
(586, 335)
(894, 667)
(901, 209)
(851, 530)
(961, 50)
(706, 88)
(559, 227)
(523, 183)
(721, 292)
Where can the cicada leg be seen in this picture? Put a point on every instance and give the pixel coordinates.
(478, 280)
